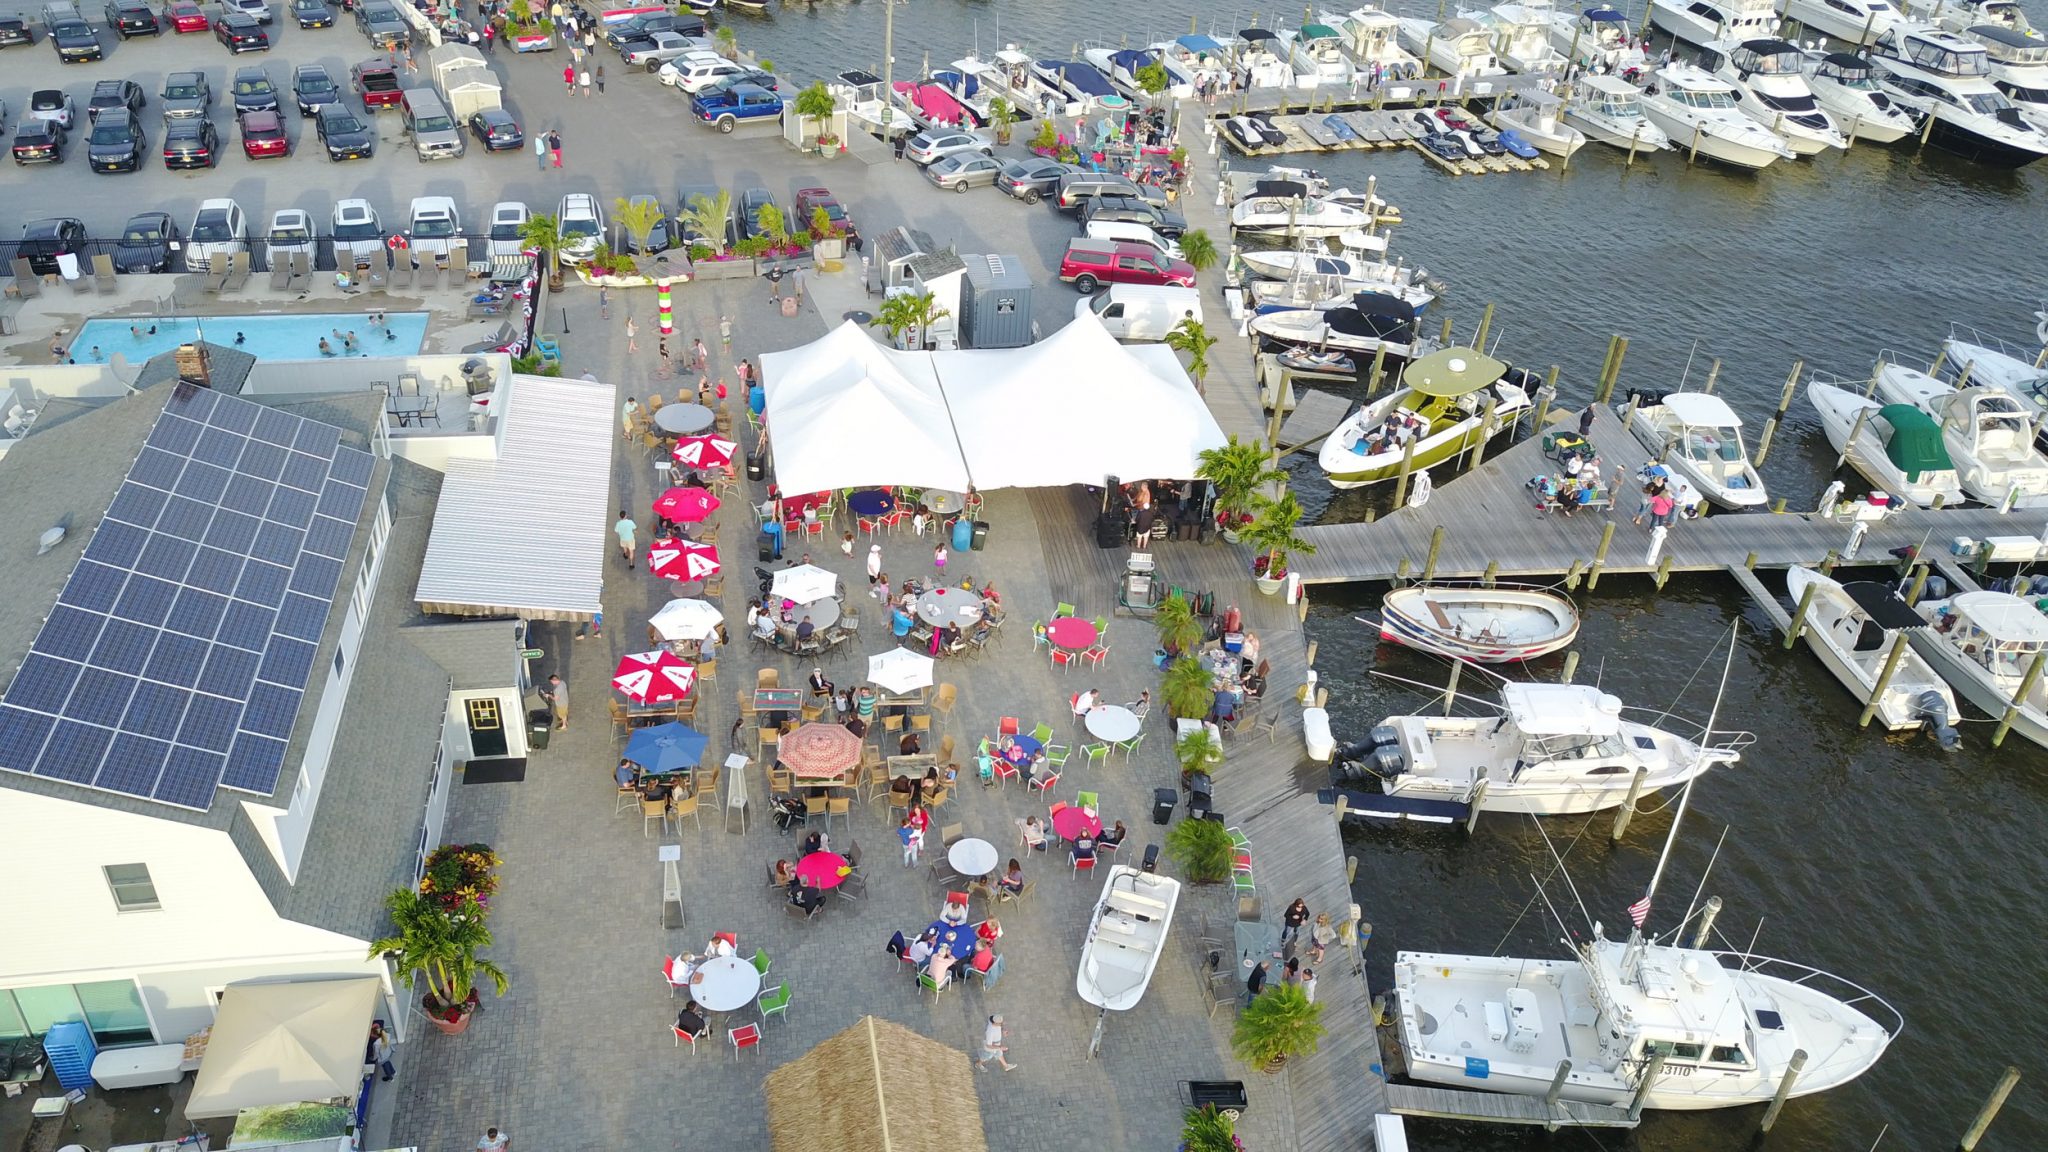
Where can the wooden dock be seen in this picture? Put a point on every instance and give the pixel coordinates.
(1499, 1108)
(1490, 524)
(1315, 416)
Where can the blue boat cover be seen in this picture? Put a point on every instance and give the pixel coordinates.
(1131, 59)
(1200, 45)
(966, 85)
(1082, 78)
(1604, 14)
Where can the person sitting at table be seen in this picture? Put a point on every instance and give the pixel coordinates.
(954, 914)
(1142, 706)
(909, 745)
(819, 685)
(1255, 684)
(786, 611)
(1224, 710)
(1084, 846)
(1249, 652)
(805, 629)
(719, 946)
(984, 957)
(626, 772)
(1114, 837)
(857, 726)
(813, 841)
(921, 948)
(924, 785)
(1013, 880)
(681, 967)
(988, 931)
(656, 789)
(785, 873)
(688, 1021)
(947, 774)
(764, 625)
(1084, 702)
(940, 969)
(1031, 833)
(951, 639)
(982, 631)
(808, 897)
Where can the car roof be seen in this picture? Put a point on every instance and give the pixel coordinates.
(218, 202)
(297, 215)
(517, 207)
(436, 203)
(38, 127)
(252, 71)
(309, 69)
(152, 216)
(353, 205)
(261, 118)
(184, 126)
(47, 224)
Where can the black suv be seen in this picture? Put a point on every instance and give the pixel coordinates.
(647, 24)
(190, 144)
(75, 40)
(146, 243)
(312, 13)
(239, 33)
(108, 95)
(116, 142)
(38, 142)
(132, 18)
(1132, 210)
(253, 91)
(345, 136)
(15, 30)
(42, 241)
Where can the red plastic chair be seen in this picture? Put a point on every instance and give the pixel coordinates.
(1080, 864)
(744, 1036)
(1005, 771)
(1008, 726)
(1045, 783)
(959, 898)
(732, 938)
(1052, 814)
(682, 1036)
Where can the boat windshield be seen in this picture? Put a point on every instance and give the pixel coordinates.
(2023, 95)
(1713, 444)
(1984, 103)
(1858, 79)
(1620, 107)
(1767, 64)
(1573, 746)
(1705, 98)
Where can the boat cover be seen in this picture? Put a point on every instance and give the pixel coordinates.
(1381, 304)
(1604, 15)
(960, 82)
(1252, 35)
(1883, 605)
(1082, 78)
(859, 78)
(1318, 32)
(1915, 445)
(1452, 372)
(1352, 322)
(1284, 189)
(1200, 45)
(1130, 60)
(1847, 62)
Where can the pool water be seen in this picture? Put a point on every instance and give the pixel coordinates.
(275, 337)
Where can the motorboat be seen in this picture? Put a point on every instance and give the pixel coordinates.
(1521, 36)
(1704, 440)
(1372, 37)
(1895, 446)
(1986, 431)
(860, 93)
(1956, 15)
(1933, 72)
(1121, 65)
(1497, 625)
(1534, 115)
(1457, 47)
(1989, 360)
(1198, 56)
(1853, 629)
(1360, 268)
(1983, 643)
(1126, 936)
(2019, 68)
(1254, 130)
(1599, 39)
(1607, 109)
(1312, 290)
(1087, 91)
(1700, 112)
(932, 105)
(1317, 52)
(1006, 75)
(1847, 87)
(1769, 80)
(1439, 411)
(1853, 22)
(1285, 208)
(1309, 360)
(1701, 22)
(1262, 60)
(1370, 322)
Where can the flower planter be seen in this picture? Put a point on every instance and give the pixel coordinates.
(735, 269)
(532, 41)
(610, 281)
(1269, 585)
(457, 1028)
(1229, 535)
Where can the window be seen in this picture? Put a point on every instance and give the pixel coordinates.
(133, 889)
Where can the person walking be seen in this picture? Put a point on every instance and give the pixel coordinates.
(540, 150)
(494, 1140)
(699, 358)
(627, 411)
(555, 148)
(556, 693)
(632, 335)
(995, 1045)
(380, 1051)
(874, 564)
(600, 79)
(569, 78)
(490, 38)
(725, 333)
(1292, 920)
(625, 529)
(1586, 421)
(584, 80)
(912, 839)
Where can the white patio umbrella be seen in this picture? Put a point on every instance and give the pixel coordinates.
(689, 619)
(804, 583)
(900, 670)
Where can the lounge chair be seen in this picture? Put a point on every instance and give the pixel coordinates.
(103, 273)
(302, 272)
(281, 272)
(401, 271)
(216, 274)
(495, 340)
(238, 272)
(27, 285)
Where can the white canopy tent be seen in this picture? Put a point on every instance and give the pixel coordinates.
(283, 1043)
(846, 412)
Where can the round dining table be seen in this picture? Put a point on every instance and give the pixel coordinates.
(823, 613)
(972, 857)
(822, 869)
(1070, 822)
(871, 502)
(941, 502)
(943, 606)
(725, 984)
(683, 419)
(1071, 633)
(1022, 748)
(1111, 722)
(955, 938)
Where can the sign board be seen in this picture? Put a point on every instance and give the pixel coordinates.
(533, 653)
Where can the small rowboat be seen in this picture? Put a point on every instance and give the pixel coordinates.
(1125, 937)
(1484, 625)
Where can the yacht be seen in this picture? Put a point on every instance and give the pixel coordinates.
(1704, 436)
(1846, 85)
(1007, 74)
(1086, 91)
(1989, 360)
(1317, 283)
(933, 105)
(1933, 72)
(1705, 21)
(1989, 436)
(1202, 56)
(1263, 61)
(1121, 65)
(1699, 111)
(1458, 47)
(1608, 109)
(1370, 322)
(1317, 53)
(2019, 68)
(1770, 88)
(1440, 409)
(1853, 22)
(1895, 446)
(1536, 116)
(1285, 208)
(1599, 39)
(1521, 36)
(1983, 643)
(1956, 15)
(1853, 629)
(1372, 36)
(1126, 936)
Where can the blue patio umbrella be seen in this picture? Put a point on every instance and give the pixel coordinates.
(666, 748)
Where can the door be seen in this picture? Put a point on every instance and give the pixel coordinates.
(486, 728)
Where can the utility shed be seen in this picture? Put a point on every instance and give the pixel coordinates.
(995, 303)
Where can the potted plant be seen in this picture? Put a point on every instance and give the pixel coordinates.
(1179, 631)
(1188, 689)
(456, 873)
(909, 316)
(1198, 250)
(443, 946)
(816, 106)
(1152, 78)
(1197, 751)
(1001, 118)
(830, 242)
(1272, 532)
(1207, 1130)
(529, 30)
(728, 42)
(1190, 337)
(544, 235)
(637, 218)
(1047, 140)
(1201, 849)
(1235, 471)
(1280, 1023)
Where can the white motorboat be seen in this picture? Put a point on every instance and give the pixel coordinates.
(1087, 92)
(1895, 446)
(2019, 68)
(1317, 51)
(1989, 360)
(1853, 629)
(1285, 208)
(1439, 411)
(1381, 322)
(1197, 56)
(1770, 87)
(1456, 47)
(1126, 936)
(1853, 22)
(1699, 111)
(1311, 290)
(1607, 109)
(1372, 37)
(1497, 625)
(1261, 60)
(1846, 85)
(1931, 72)
(860, 93)
(1982, 643)
(1008, 74)
(1121, 65)
(1521, 36)
(1956, 15)
(1705, 21)
(1989, 436)
(1535, 116)
(1704, 436)
(1599, 39)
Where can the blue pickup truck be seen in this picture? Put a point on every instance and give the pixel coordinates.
(728, 106)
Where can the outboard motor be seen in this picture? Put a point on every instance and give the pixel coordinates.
(1931, 707)
(1935, 589)
(1385, 734)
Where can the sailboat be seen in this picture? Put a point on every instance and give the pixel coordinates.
(1642, 1021)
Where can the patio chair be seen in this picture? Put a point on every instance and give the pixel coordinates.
(1063, 659)
(937, 798)
(680, 807)
(1062, 609)
(944, 699)
(761, 960)
(629, 798)
(1087, 800)
(1096, 655)
(1003, 769)
(1101, 627)
(744, 1036)
(1098, 755)
(1057, 755)
(1045, 781)
(103, 273)
(1237, 837)
(1042, 733)
(775, 1002)
(1081, 863)
(852, 887)
(950, 833)
(841, 807)
(1130, 747)
(1053, 810)
(1008, 726)
(653, 810)
(670, 980)
(815, 806)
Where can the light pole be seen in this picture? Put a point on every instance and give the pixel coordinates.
(888, 61)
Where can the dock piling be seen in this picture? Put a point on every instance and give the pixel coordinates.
(1600, 556)
(1713, 374)
(1650, 1074)
(1663, 575)
(1627, 811)
(2012, 711)
(1828, 562)
(1792, 1070)
(1436, 545)
(1571, 575)
(1444, 338)
(1919, 583)
(1571, 667)
(1478, 798)
(1350, 864)
(1884, 678)
(1798, 625)
(1989, 1112)
(1763, 442)
(1487, 429)
(1451, 689)
(1379, 370)
(1606, 366)
(1485, 322)
(1550, 1098)
(1849, 445)
(1708, 913)
(1635, 138)
(1401, 485)
(1492, 574)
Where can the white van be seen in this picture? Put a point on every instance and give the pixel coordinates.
(1141, 311)
(1134, 233)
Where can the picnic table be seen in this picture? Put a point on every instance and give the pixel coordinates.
(1256, 940)
(778, 699)
(1022, 748)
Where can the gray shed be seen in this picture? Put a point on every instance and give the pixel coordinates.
(995, 303)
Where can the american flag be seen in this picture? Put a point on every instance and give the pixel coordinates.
(1639, 911)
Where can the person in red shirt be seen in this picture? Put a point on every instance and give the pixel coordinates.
(569, 78)
(989, 931)
(919, 818)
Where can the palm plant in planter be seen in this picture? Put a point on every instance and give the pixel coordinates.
(1196, 247)
(1279, 1024)
(1197, 751)
(1001, 116)
(1179, 631)
(442, 945)
(907, 312)
(1236, 471)
(1207, 1130)
(1272, 532)
(1201, 849)
(543, 234)
(1190, 337)
(1047, 140)
(1188, 690)
(707, 217)
(816, 105)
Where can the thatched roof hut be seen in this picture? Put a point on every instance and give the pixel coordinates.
(876, 1087)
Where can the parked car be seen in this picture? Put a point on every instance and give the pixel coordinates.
(581, 225)
(238, 34)
(39, 142)
(1089, 264)
(647, 23)
(116, 142)
(377, 83)
(291, 231)
(749, 211)
(754, 76)
(1132, 210)
(1079, 187)
(657, 49)
(146, 243)
(809, 200)
(435, 134)
(129, 18)
(257, 10)
(964, 170)
(253, 91)
(313, 88)
(42, 241)
(695, 70)
(497, 130)
(15, 30)
(508, 228)
(74, 39)
(218, 231)
(1032, 179)
(343, 134)
(936, 144)
(185, 95)
(108, 95)
(54, 105)
(436, 223)
(726, 108)
(382, 24)
(263, 134)
(312, 13)
(356, 231)
(660, 237)
(190, 144)
(689, 197)
(186, 16)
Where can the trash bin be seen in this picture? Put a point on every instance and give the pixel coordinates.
(980, 535)
(770, 548)
(1199, 802)
(757, 468)
(963, 536)
(1163, 801)
(539, 725)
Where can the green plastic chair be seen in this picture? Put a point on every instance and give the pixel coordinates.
(1062, 609)
(1242, 882)
(775, 1003)
(1238, 839)
(761, 961)
(924, 981)
(1042, 733)
(1131, 746)
(1057, 754)
(1098, 755)
(1101, 628)
(1087, 800)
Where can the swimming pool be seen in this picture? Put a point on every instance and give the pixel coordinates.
(270, 337)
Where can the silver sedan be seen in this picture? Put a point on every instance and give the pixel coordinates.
(961, 172)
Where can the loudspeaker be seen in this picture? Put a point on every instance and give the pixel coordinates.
(1109, 530)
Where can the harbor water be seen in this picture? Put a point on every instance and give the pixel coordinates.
(1912, 871)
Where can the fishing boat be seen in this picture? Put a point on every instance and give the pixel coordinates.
(1599, 39)
(1439, 411)
(1496, 625)
(931, 105)
(1770, 87)
(1897, 447)
(1456, 47)
(860, 93)
(1983, 643)
(1535, 117)
(1699, 112)
(1317, 53)
(1319, 285)
(1007, 75)
(1846, 85)
(1372, 38)
(1126, 935)
(1261, 60)
(1521, 36)
(1371, 321)
(1285, 208)
(1704, 436)
(1606, 109)
(1705, 21)
(1853, 628)
(1197, 56)
(1988, 435)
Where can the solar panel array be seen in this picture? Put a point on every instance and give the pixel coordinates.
(177, 656)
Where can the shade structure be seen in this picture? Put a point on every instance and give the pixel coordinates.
(846, 412)
(818, 750)
(686, 619)
(1452, 372)
(876, 1087)
(900, 670)
(682, 560)
(804, 583)
(283, 1043)
(685, 505)
(664, 748)
(658, 677)
(704, 451)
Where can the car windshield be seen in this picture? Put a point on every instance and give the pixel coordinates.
(259, 86)
(433, 227)
(111, 132)
(579, 229)
(181, 91)
(433, 124)
(139, 234)
(355, 230)
(315, 85)
(506, 231)
(341, 124)
(212, 225)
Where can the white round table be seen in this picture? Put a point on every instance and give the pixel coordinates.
(971, 857)
(726, 984)
(1111, 722)
(942, 606)
(683, 419)
(823, 613)
(942, 502)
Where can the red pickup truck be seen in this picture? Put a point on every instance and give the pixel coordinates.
(376, 81)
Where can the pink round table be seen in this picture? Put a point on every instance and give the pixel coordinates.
(821, 869)
(1071, 632)
(1074, 820)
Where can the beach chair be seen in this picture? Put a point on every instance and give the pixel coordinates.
(401, 271)
(238, 272)
(103, 273)
(301, 272)
(216, 275)
(26, 284)
(281, 273)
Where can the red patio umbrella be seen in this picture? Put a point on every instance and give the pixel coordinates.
(682, 560)
(659, 677)
(685, 505)
(819, 751)
(705, 451)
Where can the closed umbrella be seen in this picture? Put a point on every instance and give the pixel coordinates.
(900, 670)
(687, 619)
(682, 560)
(705, 451)
(804, 583)
(666, 748)
(819, 751)
(659, 677)
(685, 505)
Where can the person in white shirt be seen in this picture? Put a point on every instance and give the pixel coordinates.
(493, 1141)
(993, 1046)
(1084, 702)
(921, 949)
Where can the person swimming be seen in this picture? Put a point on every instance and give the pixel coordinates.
(326, 349)
(241, 338)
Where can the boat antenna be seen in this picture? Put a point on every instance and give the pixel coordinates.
(1692, 906)
(1690, 353)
